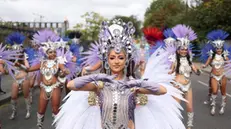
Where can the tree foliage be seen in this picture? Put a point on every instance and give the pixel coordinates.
(90, 29)
(134, 20)
(214, 14)
(161, 12)
(209, 15)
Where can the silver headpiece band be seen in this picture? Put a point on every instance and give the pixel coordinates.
(53, 45)
(218, 43)
(183, 43)
(117, 35)
(170, 41)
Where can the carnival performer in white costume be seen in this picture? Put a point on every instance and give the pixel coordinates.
(215, 53)
(183, 66)
(16, 40)
(8, 55)
(115, 106)
(52, 71)
(32, 56)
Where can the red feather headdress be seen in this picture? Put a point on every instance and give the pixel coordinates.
(152, 34)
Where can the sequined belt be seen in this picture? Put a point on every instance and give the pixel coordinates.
(49, 89)
(183, 88)
(218, 78)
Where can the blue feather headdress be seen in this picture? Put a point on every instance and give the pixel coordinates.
(217, 38)
(15, 40)
(170, 37)
(184, 35)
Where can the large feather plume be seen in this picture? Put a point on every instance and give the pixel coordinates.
(169, 33)
(183, 31)
(15, 38)
(45, 36)
(152, 34)
(217, 35)
(91, 56)
(7, 55)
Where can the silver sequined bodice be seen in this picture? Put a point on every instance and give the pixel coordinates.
(49, 68)
(185, 69)
(117, 106)
(218, 61)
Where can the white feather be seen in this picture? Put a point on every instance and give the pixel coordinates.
(161, 112)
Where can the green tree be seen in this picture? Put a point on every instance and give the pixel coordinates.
(134, 20)
(214, 14)
(162, 13)
(90, 29)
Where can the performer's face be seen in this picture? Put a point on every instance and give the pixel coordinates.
(183, 52)
(51, 54)
(219, 51)
(116, 61)
(74, 59)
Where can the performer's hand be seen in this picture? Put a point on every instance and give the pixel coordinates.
(84, 71)
(204, 66)
(66, 71)
(105, 77)
(17, 64)
(170, 72)
(74, 59)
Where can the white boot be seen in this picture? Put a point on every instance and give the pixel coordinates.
(14, 108)
(40, 119)
(53, 116)
(190, 120)
(223, 104)
(213, 105)
(28, 107)
(208, 101)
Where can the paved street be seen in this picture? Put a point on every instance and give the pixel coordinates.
(203, 120)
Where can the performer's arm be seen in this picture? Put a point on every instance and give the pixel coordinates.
(172, 68)
(63, 69)
(84, 83)
(92, 68)
(146, 87)
(162, 90)
(207, 62)
(33, 68)
(195, 69)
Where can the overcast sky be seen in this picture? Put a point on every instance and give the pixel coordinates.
(57, 10)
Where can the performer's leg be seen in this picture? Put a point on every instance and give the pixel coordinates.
(1, 91)
(214, 85)
(14, 96)
(55, 101)
(223, 93)
(42, 108)
(67, 90)
(208, 101)
(26, 90)
(31, 83)
(190, 113)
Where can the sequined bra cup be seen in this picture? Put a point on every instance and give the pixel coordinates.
(49, 68)
(218, 61)
(185, 69)
(117, 107)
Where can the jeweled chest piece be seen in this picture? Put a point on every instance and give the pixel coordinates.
(49, 69)
(218, 61)
(185, 68)
(50, 63)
